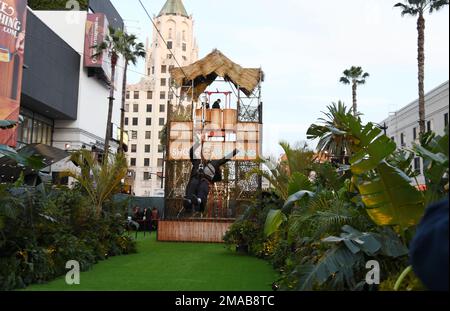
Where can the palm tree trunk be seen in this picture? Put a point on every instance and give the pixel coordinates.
(355, 104)
(111, 105)
(122, 111)
(421, 75)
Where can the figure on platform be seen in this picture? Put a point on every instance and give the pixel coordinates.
(205, 172)
(216, 104)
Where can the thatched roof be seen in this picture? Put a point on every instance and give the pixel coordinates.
(205, 71)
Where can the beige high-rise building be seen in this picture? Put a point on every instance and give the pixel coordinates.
(147, 101)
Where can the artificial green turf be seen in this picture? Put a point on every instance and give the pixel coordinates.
(162, 266)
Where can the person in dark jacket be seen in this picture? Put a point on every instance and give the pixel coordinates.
(205, 172)
(429, 248)
(216, 104)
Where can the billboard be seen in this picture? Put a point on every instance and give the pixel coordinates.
(12, 44)
(96, 30)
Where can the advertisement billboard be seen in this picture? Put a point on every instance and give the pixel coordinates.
(12, 44)
(97, 28)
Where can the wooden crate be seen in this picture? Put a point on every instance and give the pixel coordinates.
(195, 230)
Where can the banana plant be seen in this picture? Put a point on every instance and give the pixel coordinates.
(385, 190)
(434, 151)
(299, 189)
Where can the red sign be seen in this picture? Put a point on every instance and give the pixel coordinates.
(96, 31)
(12, 43)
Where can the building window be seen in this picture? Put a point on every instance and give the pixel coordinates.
(134, 134)
(147, 176)
(184, 35)
(149, 108)
(446, 119)
(149, 95)
(184, 47)
(160, 148)
(417, 167)
(146, 162)
(136, 95)
(136, 108)
(163, 82)
(169, 45)
(160, 162)
(162, 121)
(429, 126)
(170, 95)
(163, 69)
(160, 135)
(415, 133)
(402, 139)
(171, 67)
(128, 95)
(162, 95)
(147, 148)
(148, 71)
(170, 33)
(169, 56)
(148, 121)
(133, 148)
(162, 108)
(133, 162)
(135, 122)
(148, 135)
(127, 107)
(126, 121)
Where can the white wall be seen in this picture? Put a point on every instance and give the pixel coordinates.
(93, 94)
(406, 119)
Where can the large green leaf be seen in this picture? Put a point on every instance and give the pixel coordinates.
(273, 221)
(374, 149)
(356, 241)
(390, 199)
(298, 182)
(335, 262)
(297, 197)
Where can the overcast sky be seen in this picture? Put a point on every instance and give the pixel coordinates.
(303, 47)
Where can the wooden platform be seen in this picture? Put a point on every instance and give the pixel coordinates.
(193, 230)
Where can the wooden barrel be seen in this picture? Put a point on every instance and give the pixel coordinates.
(199, 117)
(229, 119)
(216, 119)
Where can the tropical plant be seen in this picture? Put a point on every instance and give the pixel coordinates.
(114, 44)
(296, 160)
(100, 180)
(332, 133)
(133, 51)
(419, 8)
(434, 151)
(354, 76)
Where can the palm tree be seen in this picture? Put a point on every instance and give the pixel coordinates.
(100, 180)
(332, 133)
(418, 8)
(354, 76)
(132, 53)
(115, 45)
